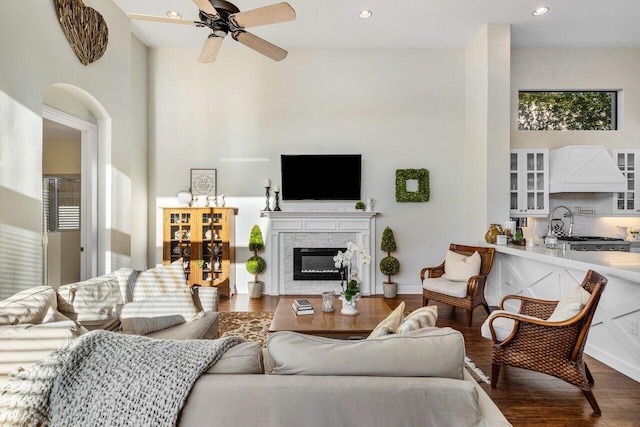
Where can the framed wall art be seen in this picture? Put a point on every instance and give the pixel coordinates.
(203, 182)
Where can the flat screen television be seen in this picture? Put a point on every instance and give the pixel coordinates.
(321, 176)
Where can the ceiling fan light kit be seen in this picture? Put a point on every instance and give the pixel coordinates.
(223, 17)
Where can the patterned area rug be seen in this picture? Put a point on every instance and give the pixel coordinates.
(254, 326)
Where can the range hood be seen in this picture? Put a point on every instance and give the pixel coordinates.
(584, 169)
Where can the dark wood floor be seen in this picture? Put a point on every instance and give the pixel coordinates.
(526, 398)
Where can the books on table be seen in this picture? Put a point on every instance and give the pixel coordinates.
(302, 307)
(302, 303)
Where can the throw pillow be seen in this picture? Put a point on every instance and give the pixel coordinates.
(459, 267)
(570, 304)
(157, 281)
(418, 319)
(160, 312)
(27, 307)
(389, 324)
(91, 300)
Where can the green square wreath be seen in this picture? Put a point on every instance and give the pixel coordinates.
(420, 195)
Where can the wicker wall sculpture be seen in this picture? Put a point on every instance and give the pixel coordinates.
(85, 29)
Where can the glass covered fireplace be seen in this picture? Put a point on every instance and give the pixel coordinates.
(315, 263)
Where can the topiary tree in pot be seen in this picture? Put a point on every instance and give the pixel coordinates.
(256, 265)
(389, 265)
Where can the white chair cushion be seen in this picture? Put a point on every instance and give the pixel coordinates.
(447, 287)
(458, 267)
(502, 326)
(570, 304)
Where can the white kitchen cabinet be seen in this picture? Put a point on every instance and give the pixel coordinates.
(529, 182)
(628, 202)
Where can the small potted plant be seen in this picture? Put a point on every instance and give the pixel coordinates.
(389, 265)
(518, 239)
(256, 265)
(360, 206)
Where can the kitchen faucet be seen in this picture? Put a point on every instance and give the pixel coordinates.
(568, 214)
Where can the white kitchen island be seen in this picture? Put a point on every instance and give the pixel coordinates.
(549, 273)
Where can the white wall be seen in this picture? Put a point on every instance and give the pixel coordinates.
(487, 130)
(35, 56)
(398, 108)
(61, 156)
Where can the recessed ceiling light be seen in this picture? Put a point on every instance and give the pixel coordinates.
(540, 11)
(173, 14)
(365, 14)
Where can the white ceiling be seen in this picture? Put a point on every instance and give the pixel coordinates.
(411, 23)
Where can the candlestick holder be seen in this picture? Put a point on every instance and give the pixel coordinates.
(266, 208)
(277, 207)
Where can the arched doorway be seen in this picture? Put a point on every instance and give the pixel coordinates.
(95, 136)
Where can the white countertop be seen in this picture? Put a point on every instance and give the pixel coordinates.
(624, 265)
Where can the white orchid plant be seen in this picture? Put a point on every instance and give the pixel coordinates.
(343, 263)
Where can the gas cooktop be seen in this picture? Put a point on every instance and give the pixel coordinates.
(589, 238)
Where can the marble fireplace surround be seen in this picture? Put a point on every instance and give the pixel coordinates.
(321, 229)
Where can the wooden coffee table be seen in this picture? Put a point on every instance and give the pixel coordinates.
(333, 325)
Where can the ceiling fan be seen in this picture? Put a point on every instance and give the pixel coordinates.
(223, 17)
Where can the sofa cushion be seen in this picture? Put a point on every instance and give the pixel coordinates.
(245, 358)
(570, 304)
(90, 301)
(427, 352)
(445, 286)
(204, 326)
(418, 319)
(459, 267)
(54, 315)
(24, 345)
(390, 324)
(157, 313)
(157, 281)
(29, 306)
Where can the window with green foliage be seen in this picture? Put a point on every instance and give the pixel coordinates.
(567, 110)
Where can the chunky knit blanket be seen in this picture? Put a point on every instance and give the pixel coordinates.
(109, 379)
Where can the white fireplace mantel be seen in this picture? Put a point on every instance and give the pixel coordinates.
(360, 224)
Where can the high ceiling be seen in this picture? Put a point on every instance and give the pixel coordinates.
(411, 23)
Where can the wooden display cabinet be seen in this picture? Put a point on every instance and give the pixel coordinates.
(205, 239)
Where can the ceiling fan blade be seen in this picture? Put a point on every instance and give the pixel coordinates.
(206, 7)
(210, 49)
(161, 19)
(280, 12)
(260, 45)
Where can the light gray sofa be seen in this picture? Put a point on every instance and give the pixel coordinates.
(412, 379)
(36, 321)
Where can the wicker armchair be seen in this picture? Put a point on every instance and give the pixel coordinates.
(553, 348)
(475, 285)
